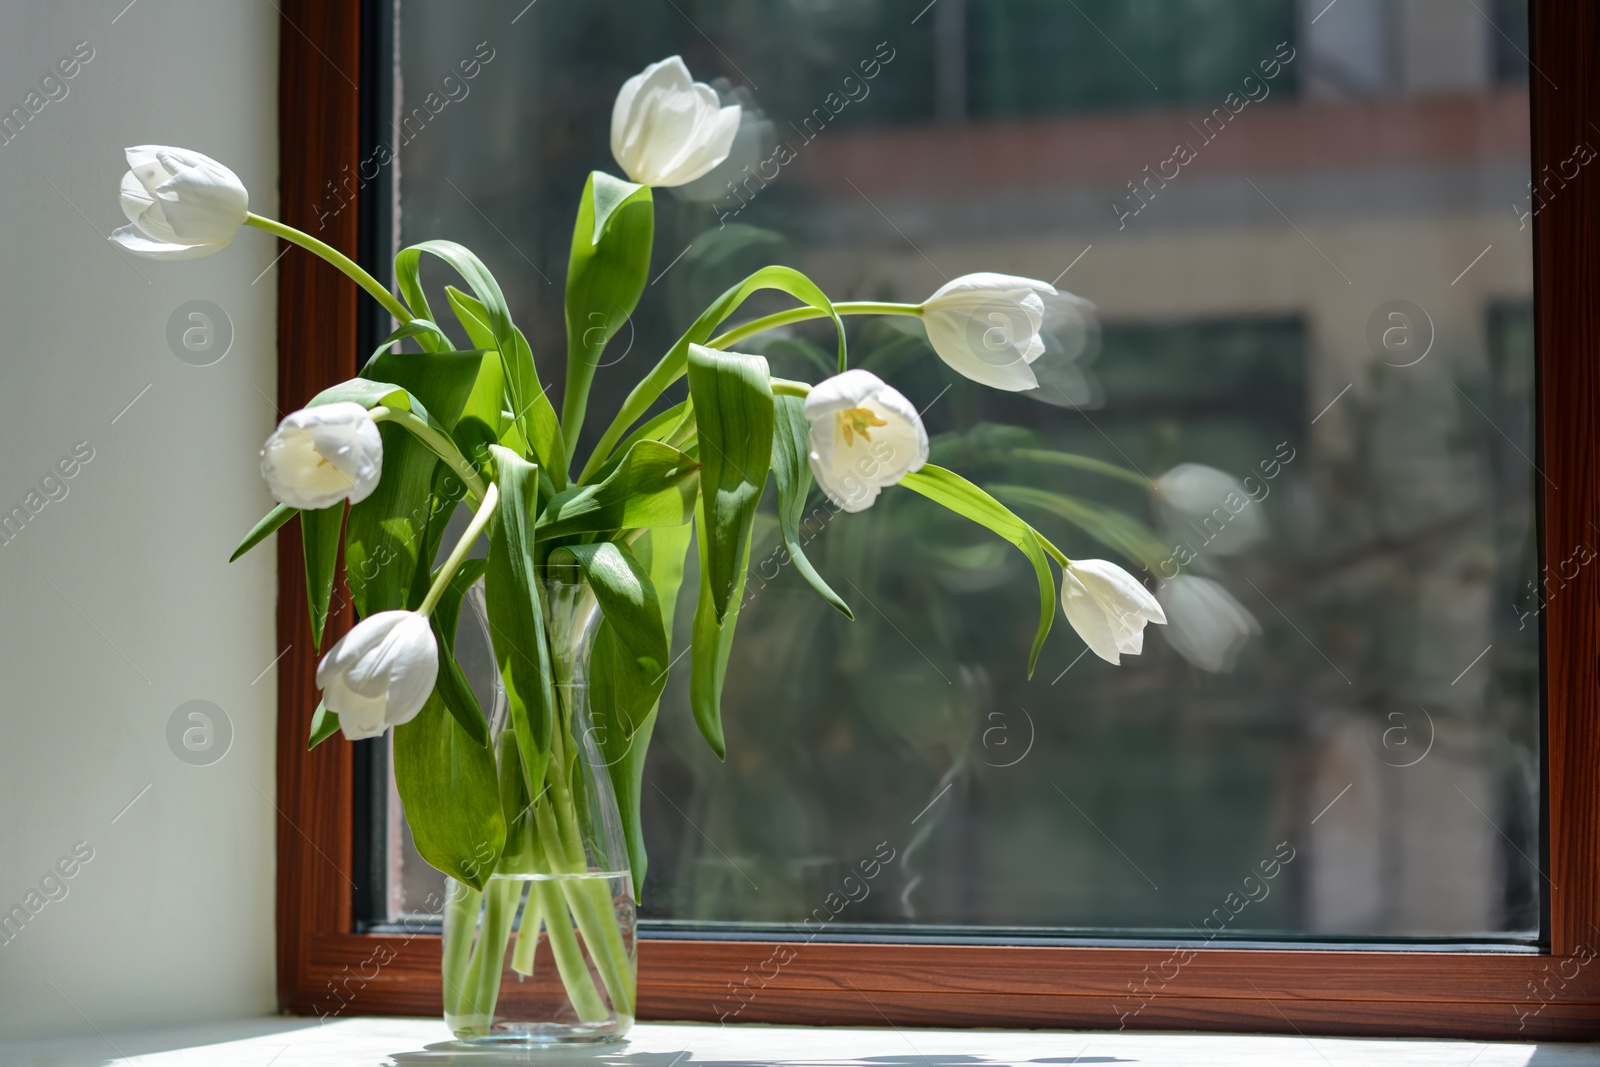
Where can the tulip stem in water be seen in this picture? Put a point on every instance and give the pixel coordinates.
(527, 936)
(460, 912)
(491, 499)
(349, 266)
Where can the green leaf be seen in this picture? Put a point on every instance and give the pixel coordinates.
(367, 392)
(534, 426)
(428, 335)
(516, 808)
(654, 485)
(440, 380)
(452, 686)
(675, 422)
(733, 408)
(522, 378)
(660, 552)
(712, 642)
(324, 724)
(319, 536)
(515, 619)
(791, 469)
(628, 667)
(606, 273)
(447, 782)
(264, 529)
(964, 498)
(675, 363)
(386, 532)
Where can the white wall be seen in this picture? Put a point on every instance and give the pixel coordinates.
(117, 603)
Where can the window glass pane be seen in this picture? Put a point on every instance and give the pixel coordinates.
(1306, 229)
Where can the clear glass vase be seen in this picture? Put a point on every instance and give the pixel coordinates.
(545, 955)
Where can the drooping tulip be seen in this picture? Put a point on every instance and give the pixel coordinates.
(668, 129)
(987, 327)
(1108, 607)
(321, 455)
(380, 673)
(865, 435)
(180, 204)
(1206, 625)
(1210, 508)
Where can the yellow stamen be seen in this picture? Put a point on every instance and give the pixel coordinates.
(854, 421)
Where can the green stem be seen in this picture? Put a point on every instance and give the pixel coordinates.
(460, 912)
(489, 957)
(527, 935)
(807, 314)
(598, 926)
(437, 441)
(491, 500)
(784, 387)
(349, 266)
(563, 841)
(639, 401)
(569, 957)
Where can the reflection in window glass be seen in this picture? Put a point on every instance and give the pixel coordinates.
(1305, 227)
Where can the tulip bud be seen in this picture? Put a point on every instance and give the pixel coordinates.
(864, 435)
(987, 327)
(1207, 626)
(380, 673)
(1108, 607)
(668, 129)
(1208, 507)
(321, 455)
(181, 204)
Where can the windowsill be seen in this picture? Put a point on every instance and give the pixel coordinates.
(395, 1042)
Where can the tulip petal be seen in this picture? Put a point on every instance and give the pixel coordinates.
(321, 455)
(1084, 612)
(852, 469)
(987, 326)
(202, 200)
(135, 198)
(668, 129)
(381, 673)
(1108, 607)
(133, 241)
(714, 144)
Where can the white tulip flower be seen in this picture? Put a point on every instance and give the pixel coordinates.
(1210, 508)
(865, 435)
(1206, 625)
(1108, 607)
(321, 455)
(181, 204)
(380, 673)
(668, 129)
(987, 327)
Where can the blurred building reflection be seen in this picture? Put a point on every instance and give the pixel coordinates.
(1306, 230)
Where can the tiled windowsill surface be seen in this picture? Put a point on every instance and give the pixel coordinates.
(397, 1042)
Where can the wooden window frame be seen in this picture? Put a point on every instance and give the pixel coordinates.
(327, 969)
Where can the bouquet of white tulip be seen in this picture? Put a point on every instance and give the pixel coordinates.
(378, 464)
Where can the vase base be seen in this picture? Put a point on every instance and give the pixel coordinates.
(546, 1035)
